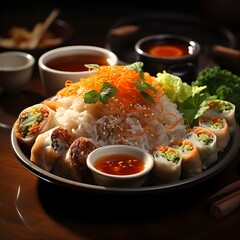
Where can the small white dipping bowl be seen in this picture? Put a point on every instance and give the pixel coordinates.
(54, 79)
(16, 69)
(126, 181)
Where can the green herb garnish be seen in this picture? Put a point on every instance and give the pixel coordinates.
(107, 91)
(142, 85)
(96, 66)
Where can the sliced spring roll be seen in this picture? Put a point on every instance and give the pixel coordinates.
(219, 127)
(33, 121)
(222, 109)
(73, 165)
(206, 142)
(49, 146)
(167, 164)
(191, 160)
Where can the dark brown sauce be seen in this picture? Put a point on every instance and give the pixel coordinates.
(119, 164)
(75, 62)
(167, 50)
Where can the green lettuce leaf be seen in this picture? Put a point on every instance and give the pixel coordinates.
(177, 90)
(188, 98)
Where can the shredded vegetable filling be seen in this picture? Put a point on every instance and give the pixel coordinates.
(184, 146)
(168, 153)
(31, 121)
(220, 106)
(216, 123)
(204, 137)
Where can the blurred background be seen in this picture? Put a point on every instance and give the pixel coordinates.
(227, 12)
(79, 12)
(92, 20)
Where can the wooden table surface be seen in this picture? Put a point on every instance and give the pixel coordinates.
(31, 208)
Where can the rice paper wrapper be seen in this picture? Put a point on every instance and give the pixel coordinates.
(217, 108)
(222, 134)
(165, 170)
(191, 160)
(207, 151)
(50, 146)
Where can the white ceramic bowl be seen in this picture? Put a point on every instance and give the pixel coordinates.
(16, 69)
(53, 80)
(112, 180)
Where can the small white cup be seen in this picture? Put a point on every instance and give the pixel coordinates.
(16, 69)
(53, 80)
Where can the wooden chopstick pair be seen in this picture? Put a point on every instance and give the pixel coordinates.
(225, 201)
(41, 28)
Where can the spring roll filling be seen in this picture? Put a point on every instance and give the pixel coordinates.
(205, 138)
(220, 106)
(30, 122)
(183, 146)
(168, 153)
(216, 123)
(61, 139)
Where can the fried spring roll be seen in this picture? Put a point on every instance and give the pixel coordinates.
(49, 146)
(73, 165)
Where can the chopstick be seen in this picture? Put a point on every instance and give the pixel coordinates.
(39, 30)
(225, 201)
(223, 51)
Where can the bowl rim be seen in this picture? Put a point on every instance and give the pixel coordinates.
(29, 63)
(191, 42)
(113, 59)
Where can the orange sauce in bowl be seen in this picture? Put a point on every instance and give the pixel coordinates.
(168, 50)
(75, 62)
(119, 164)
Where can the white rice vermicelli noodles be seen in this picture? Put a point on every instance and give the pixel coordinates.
(138, 114)
(104, 126)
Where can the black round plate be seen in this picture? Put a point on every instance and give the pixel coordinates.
(224, 160)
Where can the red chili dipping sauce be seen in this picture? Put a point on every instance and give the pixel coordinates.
(119, 164)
